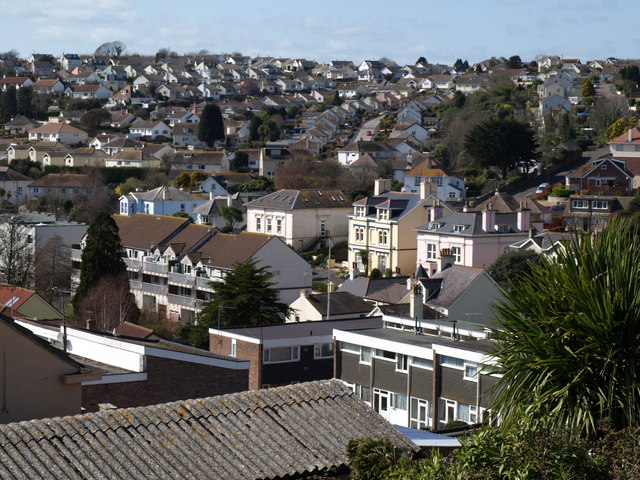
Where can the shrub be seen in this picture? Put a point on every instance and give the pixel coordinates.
(375, 273)
(561, 191)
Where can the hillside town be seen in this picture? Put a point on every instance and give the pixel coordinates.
(243, 265)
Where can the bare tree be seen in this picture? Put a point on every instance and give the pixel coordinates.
(110, 303)
(111, 49)
(16, 253)
(52, 268)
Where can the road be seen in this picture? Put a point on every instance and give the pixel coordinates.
(530, 190)
(370, 125)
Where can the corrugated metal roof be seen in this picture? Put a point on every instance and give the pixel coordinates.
(270, 433)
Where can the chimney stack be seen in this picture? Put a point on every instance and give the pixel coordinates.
(523, 217)
(381, 185)
(488, 218)
(436, 211)
(446, 259)
(630, 135)
(415, 303)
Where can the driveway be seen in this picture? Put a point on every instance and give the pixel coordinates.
(370, 125)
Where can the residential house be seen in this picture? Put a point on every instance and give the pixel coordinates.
(300, 218)
(472, 239)
(149, 129)
(15, 186)
(547, 244)
(49, 85)
(306, 435)
(506, 203)
(378, 291)
(20, 125)
(17, 82)
(142, 158)
(209, 213)
(23, 302)
(283, 354)
(276, 154)
(186, 135)
(207, 161)
(591, 213)
(172, 262)
(377, 150)
(626, 147)
(132, 372)
(63, 185)
(316, 307)
(443, 185)
(553, 105)
(38, 380)
(382, 228)
(87, 92)
(603, 176)
(58, 132)
(415, 378)
(165, 200)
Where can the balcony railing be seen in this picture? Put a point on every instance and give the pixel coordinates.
(155, 268)
(181, 279)
(135, 284)
(133, 264)
(76, 255)
(202, 283)
(189, 302)
(154, 288)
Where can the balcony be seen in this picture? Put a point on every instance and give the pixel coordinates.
(181, 279)
(154, 289)
(188, 302)
(76, 254)
(135, 284)
(202, 283)
(132, 264)
(155, 268)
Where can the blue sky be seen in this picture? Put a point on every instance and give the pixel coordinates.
(441, 31)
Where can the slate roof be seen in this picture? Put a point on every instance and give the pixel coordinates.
(400, 203)
(270, 433)
(302, 199)
(473, 223)
(8, 174)
(504, 202)
(342, 303)
(384, 290)
(455, 280)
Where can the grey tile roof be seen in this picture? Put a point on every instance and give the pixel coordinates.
(472, 221)
(270, 433)
(455, 280)
(302, 199)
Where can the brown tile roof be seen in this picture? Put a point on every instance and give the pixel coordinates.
(145, 231)
(128, 329)
(21, 295)
(624, 138)
(188, 237)
(225, 250)
(53, 127)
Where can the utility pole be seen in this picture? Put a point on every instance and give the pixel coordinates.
(329, 278)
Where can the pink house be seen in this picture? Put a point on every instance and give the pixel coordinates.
(472, 239)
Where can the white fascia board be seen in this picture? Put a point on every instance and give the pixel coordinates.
(199, 359)
(118, 378)
(297, 341)
(382, 344)
(464, 354)
(235, 336)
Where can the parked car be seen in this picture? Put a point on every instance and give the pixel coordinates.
(542, 187)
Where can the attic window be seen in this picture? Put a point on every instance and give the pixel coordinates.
(502, 228)
(460, 228)
(603, 167)
(433, 226)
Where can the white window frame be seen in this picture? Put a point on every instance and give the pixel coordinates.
(383, 237)
(399, 401)
(415, 405)
(294, 357)
(269, 224)
(470, 367)
(580, 203)
(278, 225)
(383, 214)
(426, 363)
(452, 362)
(456, 251)
(234, 347)
(402, 362)
(432, 252)
(599, 204)
(366, 355)
(258, 223)
(350, 347)
(318, 350)
(360, 211)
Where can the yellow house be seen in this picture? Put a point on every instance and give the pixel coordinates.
(383, 226)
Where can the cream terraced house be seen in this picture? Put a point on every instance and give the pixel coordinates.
(383, 225)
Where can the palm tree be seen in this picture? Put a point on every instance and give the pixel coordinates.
(569, 340)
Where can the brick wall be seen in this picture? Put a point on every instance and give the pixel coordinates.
(167, 381)
(244, 351)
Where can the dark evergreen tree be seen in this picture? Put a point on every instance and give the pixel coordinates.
(504, 143)
(210, 127)
(514, 62)
(101, 256)
(245, 297)
(24, 101)
(9, 103)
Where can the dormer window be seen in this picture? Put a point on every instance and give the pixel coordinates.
(360, 211)
(433, 226)
(501, 228)
(383, 214)
(460, 228)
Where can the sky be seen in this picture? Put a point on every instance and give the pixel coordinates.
(441, 31)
